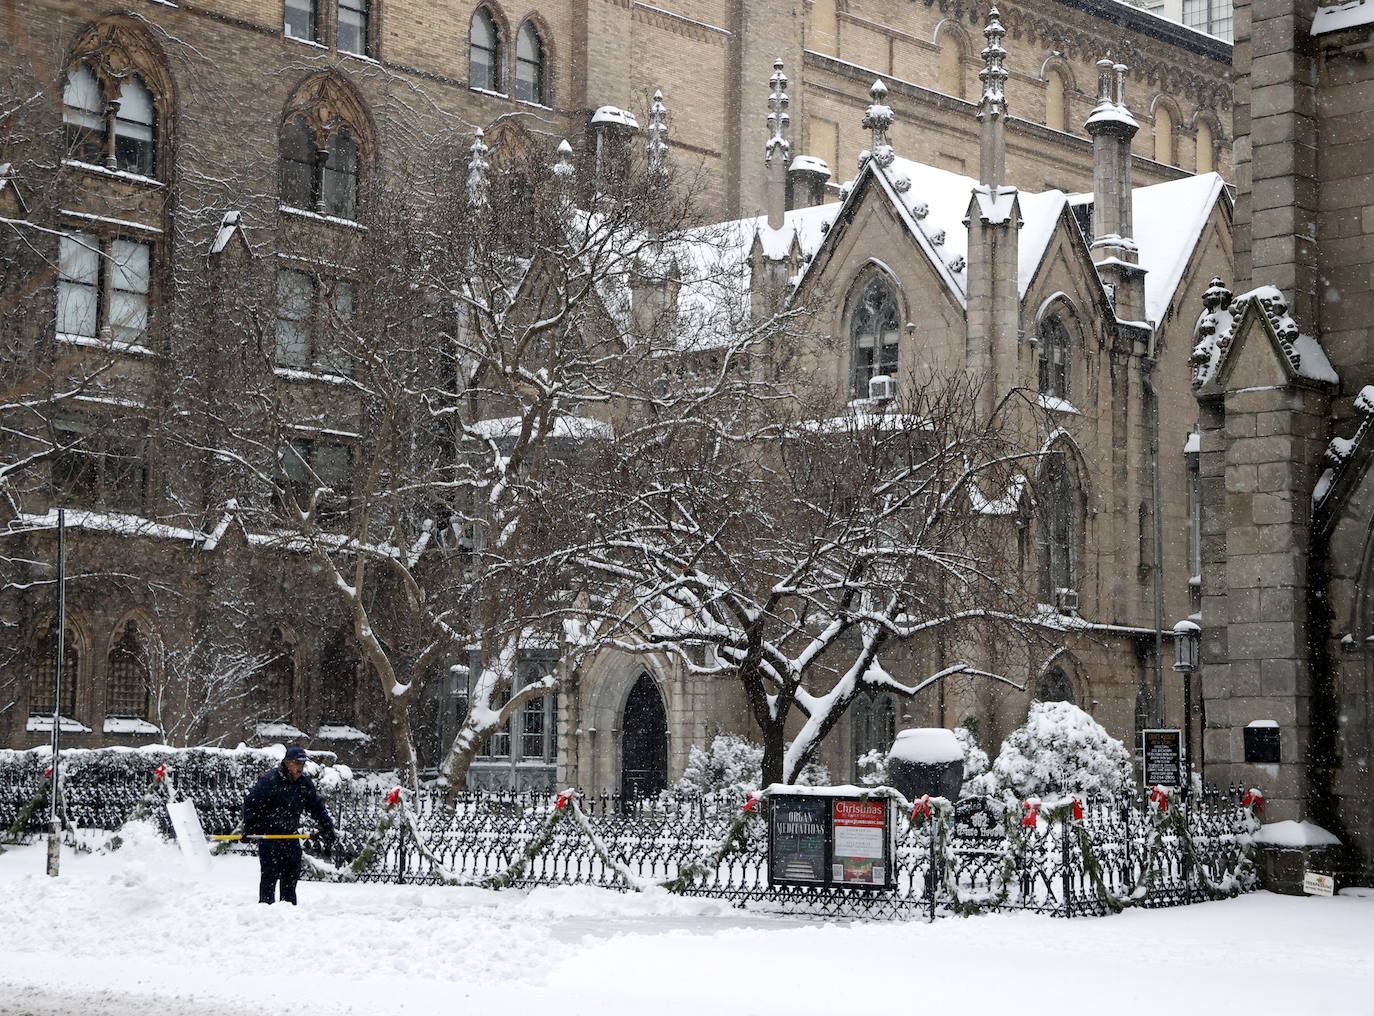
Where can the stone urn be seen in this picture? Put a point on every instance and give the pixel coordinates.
(926, 760)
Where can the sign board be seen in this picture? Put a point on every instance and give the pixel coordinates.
(190, 835)
(830, 840)
(1318, 885)
(1163, 757)
(1261, 745)
(860, 854)
(797, 834)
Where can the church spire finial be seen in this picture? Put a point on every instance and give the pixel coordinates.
(992, 107)
(779, 120)
(657, 144)
(878, 118)
(478, 190)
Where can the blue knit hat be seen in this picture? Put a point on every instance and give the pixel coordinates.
(295, 755)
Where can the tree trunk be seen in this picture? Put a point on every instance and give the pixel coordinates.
(774, 748)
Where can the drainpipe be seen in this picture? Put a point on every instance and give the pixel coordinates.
(1157, 693)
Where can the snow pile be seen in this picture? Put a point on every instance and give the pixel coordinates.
(734, 766)
(1060, 749)
(1290, 835)
(927, 746)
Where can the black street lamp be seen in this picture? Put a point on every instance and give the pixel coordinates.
(1187, 639)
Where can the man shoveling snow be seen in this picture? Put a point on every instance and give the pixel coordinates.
(272, 815)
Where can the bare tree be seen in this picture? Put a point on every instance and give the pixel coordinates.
(809, 559)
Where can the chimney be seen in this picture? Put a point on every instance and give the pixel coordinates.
(993, 313)
(1112, 127)
(778, 149)
(806, 179)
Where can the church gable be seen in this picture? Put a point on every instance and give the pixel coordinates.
(1259, 321)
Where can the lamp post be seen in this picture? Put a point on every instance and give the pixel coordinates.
(1187, 637)
(54, 818)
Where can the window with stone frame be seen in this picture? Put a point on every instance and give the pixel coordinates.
(338, 691)
(529, 65)
(119, 134)
(104, 287)
(313, 316)
(42, 687)
(319, 174)
(1215, 17)
(354, 23)
(302, 20)
(484, 51)
(1055, 367)
(1059, 523)
(127, 675)
(532, 731)
(100, 463)
(311, 464)
(275, 681)
(874, 333)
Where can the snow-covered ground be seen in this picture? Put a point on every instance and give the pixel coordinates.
(135, 932)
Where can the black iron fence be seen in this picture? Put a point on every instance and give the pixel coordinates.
(977, 856)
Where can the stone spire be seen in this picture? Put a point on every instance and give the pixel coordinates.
(777, 151)
(479, 192)
(992, 108)
(878, 118)
(657, 136)
(1112, 128)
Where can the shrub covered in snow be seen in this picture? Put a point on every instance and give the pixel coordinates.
(1060, 749)
(734, 764)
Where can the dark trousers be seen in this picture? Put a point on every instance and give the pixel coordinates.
(280, 861)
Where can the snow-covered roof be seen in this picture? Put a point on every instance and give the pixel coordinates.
(809, 164)
(1167, 219)
(1335, 17)
(575, 427)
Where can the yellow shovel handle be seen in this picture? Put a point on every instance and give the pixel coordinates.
(264, 836)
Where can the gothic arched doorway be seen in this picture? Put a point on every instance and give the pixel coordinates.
(643, 741)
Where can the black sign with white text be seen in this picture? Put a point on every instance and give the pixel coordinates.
(1163, 757)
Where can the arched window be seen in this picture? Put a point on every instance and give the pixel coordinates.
(1164, 134)
(1060, 522)
(135, 128)
(874, 726)
(1206, 160)
(44, 675)
(529, 64)
(275, 681)
(354, 16)
(484, 52)
(874, 331)
(339, 683)
(951, 65)
(319, 178)
(1054, 358)
(83, 116)
(128, 675)
(1055, 686)
(1055, 115)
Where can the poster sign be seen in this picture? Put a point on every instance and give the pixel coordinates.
(797, 839)
(860, 843)
(830, 839)
(1163, 757)
(1318, 885)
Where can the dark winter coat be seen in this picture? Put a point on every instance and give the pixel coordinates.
(275, 803)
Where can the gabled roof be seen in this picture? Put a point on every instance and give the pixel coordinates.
(1347, 459)
(1225, 320)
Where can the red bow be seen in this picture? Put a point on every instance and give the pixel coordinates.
(922, 809)
(563, 800)
(1077, 809)
(1032, 810)
(47, 771)
(753, 803)
(1160, 796)
(160, 772)
(394, 797)
(1254, 797)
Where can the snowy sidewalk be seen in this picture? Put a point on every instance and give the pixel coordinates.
(134, 932)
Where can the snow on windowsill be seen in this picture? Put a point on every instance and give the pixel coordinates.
(360, 56)
(304, 42)
(488, 91)
(278, 730)
(108, 221)
(302, 374)
(43, 723)
(113, 345)
(128, 725)
(118, 174)
(337, 732)
(1057, 405)
(333, 220)
(1193, 446)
